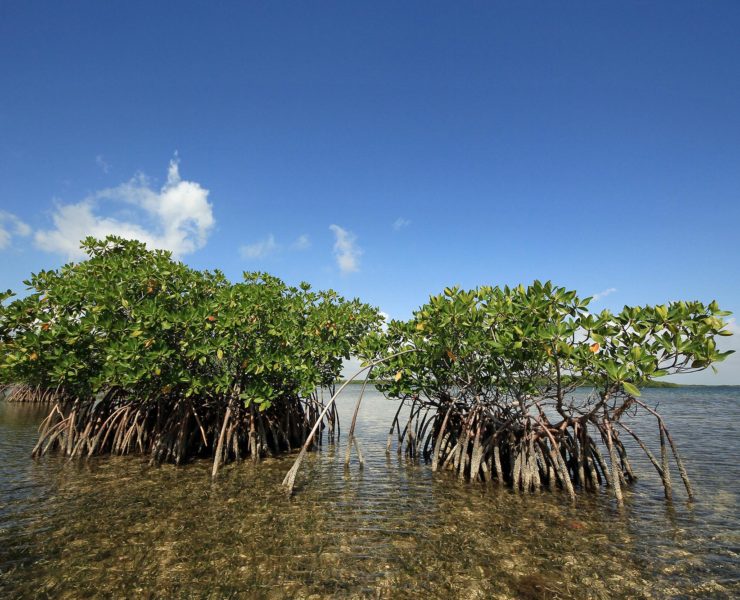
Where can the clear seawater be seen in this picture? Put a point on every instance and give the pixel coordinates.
(118, 527)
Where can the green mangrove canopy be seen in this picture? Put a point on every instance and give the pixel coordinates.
(141, 353)
(493, 375)
(144, 354)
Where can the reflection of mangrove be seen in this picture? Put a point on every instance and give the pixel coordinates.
(490, 377)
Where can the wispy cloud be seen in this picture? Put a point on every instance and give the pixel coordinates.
(303, 242)
(259, 249)
(603, 294)
(102, 163)
(346, 250)
(270, 246)
(400, 223)
(178, 217)
(10, 226)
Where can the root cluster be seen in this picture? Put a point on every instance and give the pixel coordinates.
(28, 393)
(529, 453)
(176, 430)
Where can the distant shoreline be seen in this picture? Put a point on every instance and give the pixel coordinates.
(652, 384)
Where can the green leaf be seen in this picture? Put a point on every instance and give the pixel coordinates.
(631, 389)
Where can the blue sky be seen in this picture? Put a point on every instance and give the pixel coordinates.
(384, 150)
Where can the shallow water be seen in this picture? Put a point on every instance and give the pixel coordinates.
(117, 527)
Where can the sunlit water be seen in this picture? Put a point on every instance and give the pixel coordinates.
(117, 527)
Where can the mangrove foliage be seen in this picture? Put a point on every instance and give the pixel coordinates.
(492, 380)
(139, 353)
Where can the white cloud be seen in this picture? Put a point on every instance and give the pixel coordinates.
(400, 223)
(102, 163)
(178, 217)
(303, 242)
(259, 249)
(603, 294)
(270, 246)
(10, 226)
(346, 250)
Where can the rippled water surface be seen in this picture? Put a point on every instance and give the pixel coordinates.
(117, 527)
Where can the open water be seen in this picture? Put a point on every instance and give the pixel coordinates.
(117, 527)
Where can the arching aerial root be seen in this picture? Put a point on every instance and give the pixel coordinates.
(290, 476)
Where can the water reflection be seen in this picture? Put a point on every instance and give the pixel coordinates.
(116, 526)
